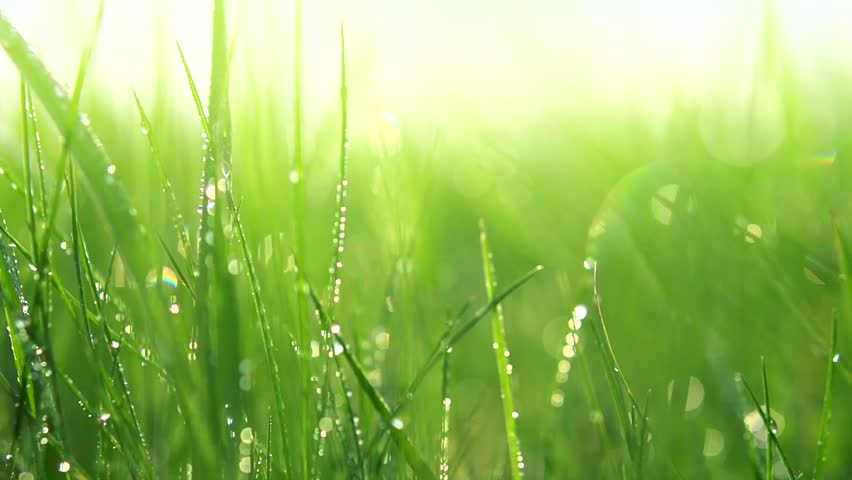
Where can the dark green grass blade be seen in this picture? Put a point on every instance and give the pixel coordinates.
(409, 452)
(501, 351)
(767, 423)
(825, 421)
(111, 198)
(769, 464)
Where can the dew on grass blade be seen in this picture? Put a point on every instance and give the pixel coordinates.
(293, 176)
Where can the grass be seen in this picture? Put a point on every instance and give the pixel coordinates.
(244, 341)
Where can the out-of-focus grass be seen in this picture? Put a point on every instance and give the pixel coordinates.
(700, 226)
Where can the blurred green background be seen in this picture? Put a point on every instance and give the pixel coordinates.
(693, 152)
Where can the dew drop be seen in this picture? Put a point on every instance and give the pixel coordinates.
(294, 176)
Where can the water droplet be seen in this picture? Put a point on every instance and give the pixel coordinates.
(174, 309)
(397, 423)
(103, 418)
(210, 192)
(234, 267)
(293, 176)
(111, 169)
(836, 358)
(515, 414)
(326, 424)
(557, 398)
(335, 329)
(64, 467)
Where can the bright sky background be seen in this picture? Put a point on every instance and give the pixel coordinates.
(497, 59)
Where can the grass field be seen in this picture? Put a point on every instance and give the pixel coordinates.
(293, 247)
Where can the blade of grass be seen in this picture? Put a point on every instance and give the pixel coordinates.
(772, 437)
(825, 421)
(446, 405)
(448, 342)
(769, 465)
(179, 270)
(418, 465)
(501, 350)
(619, 388)
(28, 182)
(227, 354)
(266, 339)
(112, 199)
(298, 215)
(166, 184)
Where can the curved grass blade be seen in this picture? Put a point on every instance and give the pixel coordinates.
(626, 408)
(111, 199)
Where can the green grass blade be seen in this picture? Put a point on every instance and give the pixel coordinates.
(111, 199)
(266, 338)
(773, 438)
(40, 166)
(446, 406)
(769, 465)
(825, 421)
(338, 234)
(625, 403)
(28, 182)
(450, 338)
(412, 457)
(166, 184)
(501, 350)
